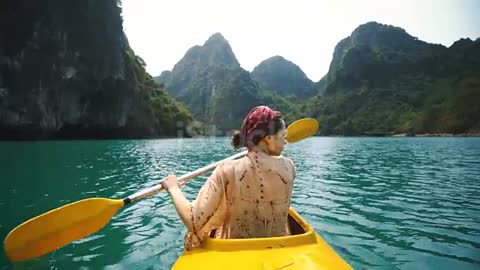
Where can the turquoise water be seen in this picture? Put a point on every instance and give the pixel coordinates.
(389, 203)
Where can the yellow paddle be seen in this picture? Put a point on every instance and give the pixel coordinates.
(63, 225)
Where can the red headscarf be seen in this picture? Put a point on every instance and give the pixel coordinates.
(258, 122)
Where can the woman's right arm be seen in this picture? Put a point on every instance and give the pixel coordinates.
(181, 203)
(198, 213)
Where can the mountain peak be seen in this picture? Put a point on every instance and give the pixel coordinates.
(370, 25)
(277, 58)
(376, 26)
(215, 52)
(374, 33)
(370, 38)
(283, 77)
(216, 38)
(462, 43)
(274, 60)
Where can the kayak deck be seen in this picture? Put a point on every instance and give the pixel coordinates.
(304, 249)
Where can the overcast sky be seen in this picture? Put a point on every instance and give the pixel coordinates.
(304, 32)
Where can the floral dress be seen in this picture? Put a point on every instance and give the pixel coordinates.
(244, 198)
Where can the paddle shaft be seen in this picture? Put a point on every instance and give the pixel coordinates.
(182, 179)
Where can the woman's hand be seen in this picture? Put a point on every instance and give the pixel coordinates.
(170, 182)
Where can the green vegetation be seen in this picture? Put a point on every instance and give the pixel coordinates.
(284, 78)
(383, 81)
(68, 72)
(209, 81)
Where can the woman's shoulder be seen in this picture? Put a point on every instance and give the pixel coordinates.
(230, 164)
(288, 163)
(284, 159)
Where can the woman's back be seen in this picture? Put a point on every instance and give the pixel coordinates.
(258, 196)
(244, 198)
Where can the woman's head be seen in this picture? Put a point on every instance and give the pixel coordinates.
(262, 126)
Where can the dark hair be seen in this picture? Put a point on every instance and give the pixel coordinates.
(274, 126)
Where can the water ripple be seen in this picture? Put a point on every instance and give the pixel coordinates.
(390, 203)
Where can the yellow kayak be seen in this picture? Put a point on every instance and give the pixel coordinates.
(304, 249)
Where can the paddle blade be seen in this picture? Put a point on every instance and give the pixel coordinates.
(301, 129)
(59, 227)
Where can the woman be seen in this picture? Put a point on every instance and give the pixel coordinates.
(247, 197)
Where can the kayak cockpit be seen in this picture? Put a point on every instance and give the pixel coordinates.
(304, 249)
(302, 234)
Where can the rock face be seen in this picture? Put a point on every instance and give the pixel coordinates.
(212, 85)
(215, 52)
(284, 78)
(382, 81)
(67, 71)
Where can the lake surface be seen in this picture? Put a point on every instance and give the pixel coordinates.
(385, 203)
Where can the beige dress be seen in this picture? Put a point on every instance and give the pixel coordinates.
(243, 198)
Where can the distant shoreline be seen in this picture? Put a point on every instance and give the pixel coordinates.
(402, 135)
(436, 135)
